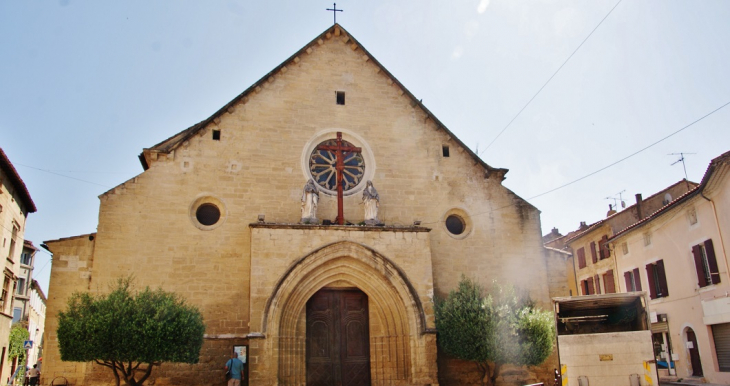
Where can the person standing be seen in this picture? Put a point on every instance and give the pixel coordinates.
(34, 375)
(235, 367)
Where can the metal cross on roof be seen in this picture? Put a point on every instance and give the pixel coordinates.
(334, 11)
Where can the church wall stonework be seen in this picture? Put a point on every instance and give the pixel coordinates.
(147, 225)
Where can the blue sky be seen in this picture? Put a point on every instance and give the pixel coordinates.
(86, 85)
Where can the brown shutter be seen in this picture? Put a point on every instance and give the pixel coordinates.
(697, 254)
(597, 283)
(637, 279)
(627, 278)
(603, 246)
(608, 284)
(712, 261)
(591, 291)
(584, 286)
(662, 278)
(581, 258)
(593, 252)
(650, 276)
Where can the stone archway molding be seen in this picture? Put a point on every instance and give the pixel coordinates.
(304, 265)
(397, 319)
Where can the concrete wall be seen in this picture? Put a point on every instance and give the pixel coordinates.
(607, 359)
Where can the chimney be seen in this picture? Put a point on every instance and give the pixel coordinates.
(611, 211)
(638, 206)
(555, 232)
(582, 226)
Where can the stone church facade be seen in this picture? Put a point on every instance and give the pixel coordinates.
(215, 217)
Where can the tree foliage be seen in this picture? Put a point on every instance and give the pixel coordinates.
(18, 336)
(501, 328)
(124, 331)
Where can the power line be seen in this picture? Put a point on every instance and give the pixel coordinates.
(551, 77)
(605, 167)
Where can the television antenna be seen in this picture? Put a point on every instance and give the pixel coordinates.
(681, 159)
(617, 200)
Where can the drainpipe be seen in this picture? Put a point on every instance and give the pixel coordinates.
(717, 224)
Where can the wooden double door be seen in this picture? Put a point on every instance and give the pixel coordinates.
(338, 344)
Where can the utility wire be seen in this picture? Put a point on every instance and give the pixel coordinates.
(603, 168)
(549, 79)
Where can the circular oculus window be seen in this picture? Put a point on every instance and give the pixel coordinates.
(455, 224)
(207, 213)
(323, 165)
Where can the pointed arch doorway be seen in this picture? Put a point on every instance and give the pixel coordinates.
(337, 338)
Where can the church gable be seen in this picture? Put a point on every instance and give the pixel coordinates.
(218, 216)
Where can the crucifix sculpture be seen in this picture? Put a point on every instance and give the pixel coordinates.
(340, 150)
(334, 11)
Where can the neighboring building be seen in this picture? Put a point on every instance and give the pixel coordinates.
(678, 255)
(36, 321)
(595, 267)
(22, 288)
(216, 217)
(15, 205)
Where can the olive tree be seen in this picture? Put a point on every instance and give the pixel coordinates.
(130, 332)
(499, 328)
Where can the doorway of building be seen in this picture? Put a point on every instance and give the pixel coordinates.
(694, 353)
(338, 344)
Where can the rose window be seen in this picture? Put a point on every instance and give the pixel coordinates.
(323, 167)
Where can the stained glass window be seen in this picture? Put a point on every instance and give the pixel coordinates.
(322, 165)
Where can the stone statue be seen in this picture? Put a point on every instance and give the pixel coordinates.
(371, 200)
(310, 199)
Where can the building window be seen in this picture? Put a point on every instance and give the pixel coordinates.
(625, 248)
(455, 224)
(208, 214)
(587, 286)
(581, 258)
(657, 280)
(4, 295)
(706, 264)
(594, 255)
(21, 286)
(25, 258)
(608, 282)
(604, 252)
(17, 313)
(340, 96)
(323, 166)
(13, 237)
(633, 280)
(445, 151)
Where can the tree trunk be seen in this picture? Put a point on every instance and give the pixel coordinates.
(483, 371)
(495, 374)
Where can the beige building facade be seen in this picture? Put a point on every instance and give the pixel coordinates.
(15, 205)
(594, 263)
(216, 217)
(678, 255)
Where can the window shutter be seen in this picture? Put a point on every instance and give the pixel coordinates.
(627, 278)
(650, 276)
(662, 278)
(597, 283)
(591, 291)
(637, 279)
(608, 284)
(712, 261)
(584, 287)
(581, 258)
(593, 252)
(697, 253)
(603, 246)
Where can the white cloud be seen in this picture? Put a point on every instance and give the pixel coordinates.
(458, 52)
(483, 4)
